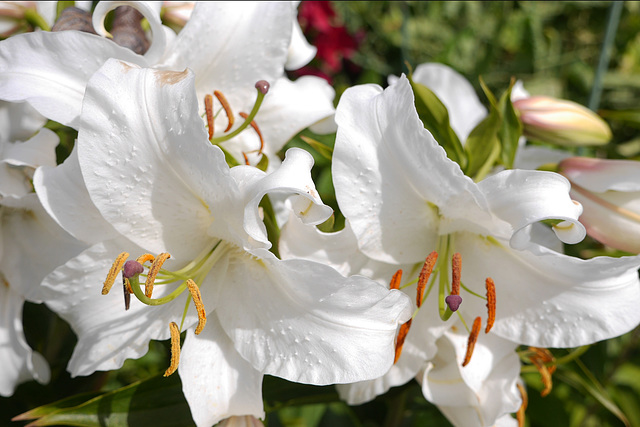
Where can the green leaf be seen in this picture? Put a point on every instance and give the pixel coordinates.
(263, 164)
(629, 117)
(483, 147)
(327, 226)
(278, 393)
(157, 401)
(510, 129)
(231, 161)
(594, 390)
(55, 406)
(322, 149)
(435, 118)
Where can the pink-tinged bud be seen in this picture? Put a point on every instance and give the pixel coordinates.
(561, 122)
(609, 191)
(176, 13)
(13, 16)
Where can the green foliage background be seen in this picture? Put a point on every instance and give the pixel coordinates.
(554, 48)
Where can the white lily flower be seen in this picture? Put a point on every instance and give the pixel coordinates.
(31, 243)
(157, 185)
(228, 45)
(403, 198)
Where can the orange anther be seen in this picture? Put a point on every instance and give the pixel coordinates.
(425, 273)
(473, 338)
(255, 127)
(227, 109)
(208, 108)
(153, 272)
(197, 301)
(246, 159)
(144, 258)
(545, 374)
(402, 334)
(175, 349)
(456, 270)
(491, 303)
(523, 407)
(395, 280)
(117, 265)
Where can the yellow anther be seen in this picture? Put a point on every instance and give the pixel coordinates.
(523, 407)
(208, 108)
(144, 258)
(227, 109)
(473, 338)
(491, 304)
(197, 301)
(402, 334)
(175, 349)
(395, 280)
(113, 272)
(153, 272)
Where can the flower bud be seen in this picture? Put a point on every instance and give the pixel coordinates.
(609, 191)
(561, 122)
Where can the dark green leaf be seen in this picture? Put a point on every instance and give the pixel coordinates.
(322, 149)
(483, 147)
(510, 129)
(157, 401)
(435, 118)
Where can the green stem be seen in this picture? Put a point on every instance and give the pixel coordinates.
(36, 20)
(135, 285)
(244, 125)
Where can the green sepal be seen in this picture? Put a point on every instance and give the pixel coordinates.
(510, 130)
(435, 118)
(157, 401)
(483, 146)
(263, 164)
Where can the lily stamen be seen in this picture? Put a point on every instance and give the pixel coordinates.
(395, 280)
(246, 159)
(197, 301)
(402, 334)
(227, 109)
(545, 372)
(145, 257)
(523, 407)
(491, 303)
(255, 127)
(456, 272)
(425, 273)
(473, 338)
(153, 272)
(175, 349)
(262, 88)
(208, 108)
(117, 265)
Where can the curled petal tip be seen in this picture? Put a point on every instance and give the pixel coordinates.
(453, 301)
(263, 86)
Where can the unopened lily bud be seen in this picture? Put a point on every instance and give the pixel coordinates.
(561, 122)
(17, 17)
(609, 191)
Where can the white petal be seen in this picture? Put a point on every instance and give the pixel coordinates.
(19, 121)
(532, 157)
(18, 362)
(107, 334)
(217, 382)
(392, 180)
(306, 323)
(600, 175)
(546, 299)
(482, 391)
(149, 10)
(39, 150)
(524, 197)
(232, 45)
(456, 93)
(292, 177)
(300, 51)
(148, 165)
(51, 70)
(33, 245)
(64, 196)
